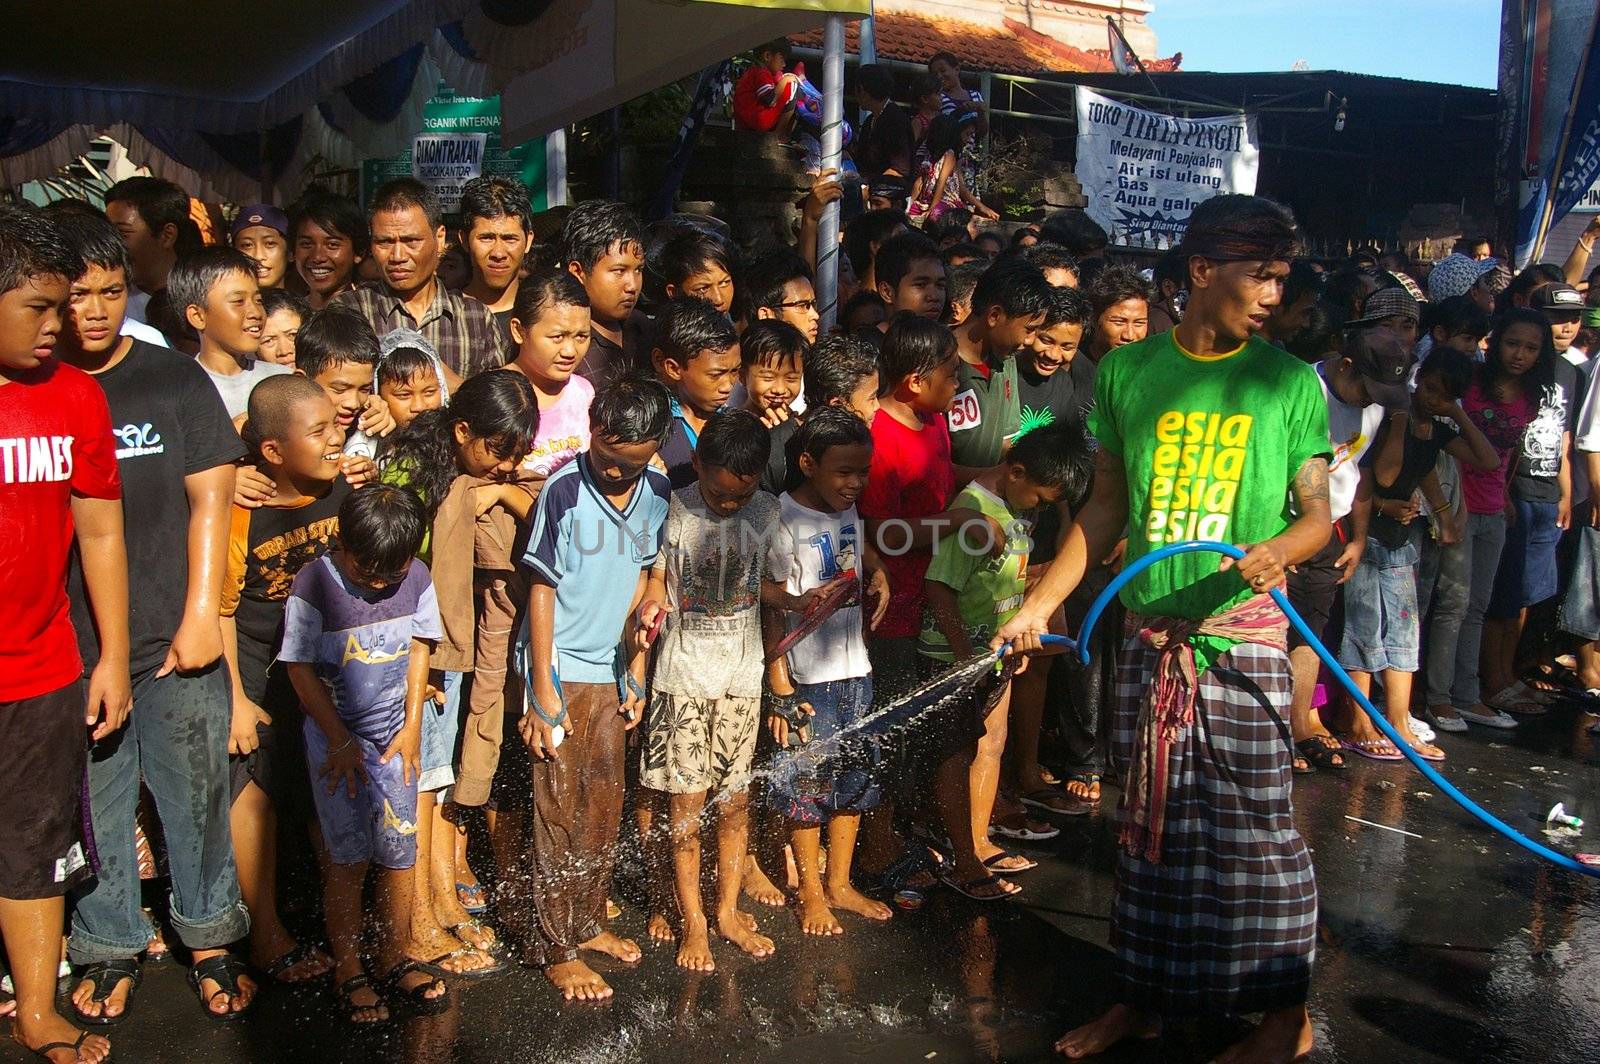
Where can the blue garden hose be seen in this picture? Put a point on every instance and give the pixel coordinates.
(1081, 644)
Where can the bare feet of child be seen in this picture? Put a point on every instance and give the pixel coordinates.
(816, 918)
(659, 929)
(622, 949)
(758, 888)
(852, 900)
(1283, 1037)
(695, 952)
(1096, 1036)
(578, 982)
(740, 929)
(444, 950)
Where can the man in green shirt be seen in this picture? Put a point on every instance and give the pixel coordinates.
(1206, 433)
(1008, 306)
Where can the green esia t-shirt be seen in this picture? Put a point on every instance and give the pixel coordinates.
(985, 414)
(1210, 447)
(988, 590)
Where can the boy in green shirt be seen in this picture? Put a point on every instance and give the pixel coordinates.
(971, 591)
(1008, 306)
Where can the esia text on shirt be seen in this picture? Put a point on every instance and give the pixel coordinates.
(1194, 474)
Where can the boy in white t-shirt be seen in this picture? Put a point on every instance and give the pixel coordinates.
(825, 680)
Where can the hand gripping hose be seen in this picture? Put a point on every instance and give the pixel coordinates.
(1081, 644)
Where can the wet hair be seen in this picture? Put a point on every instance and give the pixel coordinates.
(832, 426)
(922, 85)
(770, 342)
(1544, 369)
(948, 57)
(539, 293)
(1457, 316)
(194, 276)
(32, 244)
(1015, 286)
(876, 81)
(992, 242)
(381, 527)
(1454, 369)
(404, 193)
(402, 364)
(90, 234)
(1235, 227)
(1067, 305)
(1173, 267)
(1113, 285)
(631, 409)
(1047, 256)
(1303, 278)
(898, 253)
(687, 326)
(1055, 456)
(761, 281)
(835, 369)
(960, 282)
(913, 347)
(1340, 290)
(1024, 233)
(735, 440)
(1536, 276)
(160, 204)
(965, 250)
(692, 252)
(276, 299)
(1077, 234)
(333, 214)
(952, 225)
(1319, 337)
(866, 229)
(862, 300)
(332, 337)
(593, 228)
(944, 135)
(497, 408)
(494, 197)
(272, 402)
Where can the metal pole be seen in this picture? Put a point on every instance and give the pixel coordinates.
(832, 149)
(555, 168)
(867, 45)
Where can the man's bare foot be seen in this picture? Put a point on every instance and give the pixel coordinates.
(578, 982)
(695, 952)
(53, 1028)
(1119, 1023)
(740, 929)
(623, 949)
(758, 888)
(1284, 1036)
(816, 918)
(660, 929)
(851, 900)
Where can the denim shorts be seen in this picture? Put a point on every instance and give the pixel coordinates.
(1580, 609)
(808, 786)
(1527, 573)
(441, 725)
(1382, 629)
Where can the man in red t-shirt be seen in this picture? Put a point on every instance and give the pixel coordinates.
(58, 472)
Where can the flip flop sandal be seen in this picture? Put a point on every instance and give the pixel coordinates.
(224, 969)
(1320, 755)
(1054, 800)
(494, 949)
(301, 953)
(1519, 700)
(1088, 779)
(347, 990)
(43, 1052)
(1029, 831)
(894, 882)
(416, 999)
(105, 977)
(1006, 855)
(968, 888)
(1427, 751)
(1371, 749)
(436, 966)
(473, 897)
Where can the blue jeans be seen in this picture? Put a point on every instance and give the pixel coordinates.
(441, 725)
(1486, 537)
(177, 740)
(1381, 623)
(1442, 589)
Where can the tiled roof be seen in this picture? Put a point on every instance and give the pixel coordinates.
(1017, 49)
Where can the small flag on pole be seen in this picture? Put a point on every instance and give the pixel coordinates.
(1123, 58)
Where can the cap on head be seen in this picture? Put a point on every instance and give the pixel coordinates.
(1557, 300)
(1384, 362)
(259, 214)
(1454, 274)
(1387, 303)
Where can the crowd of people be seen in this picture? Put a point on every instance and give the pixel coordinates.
(603, 546)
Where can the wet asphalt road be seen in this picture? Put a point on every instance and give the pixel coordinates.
(1456, 946)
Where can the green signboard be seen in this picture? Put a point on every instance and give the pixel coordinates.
(460, 140)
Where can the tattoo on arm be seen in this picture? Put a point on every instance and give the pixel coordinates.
(1311, 483)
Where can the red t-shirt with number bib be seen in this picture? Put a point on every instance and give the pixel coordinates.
(911, 477)
(55, 443)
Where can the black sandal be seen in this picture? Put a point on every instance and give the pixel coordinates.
(224, 969)
(415, 999)
(1319, 755)
(44, 1051)
(302, 952)
(106, 976)
(347, 989)
(1088, 779)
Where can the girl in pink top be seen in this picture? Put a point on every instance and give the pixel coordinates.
(550, 326)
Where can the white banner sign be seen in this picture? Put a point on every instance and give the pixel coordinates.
(447, 161)
(1144, 172)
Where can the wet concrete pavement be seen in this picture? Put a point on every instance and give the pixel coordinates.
(1455, 946)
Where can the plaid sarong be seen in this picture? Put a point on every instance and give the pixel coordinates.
(1226, 921)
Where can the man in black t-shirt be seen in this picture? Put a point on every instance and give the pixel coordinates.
(175, 452)
(886, 140)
